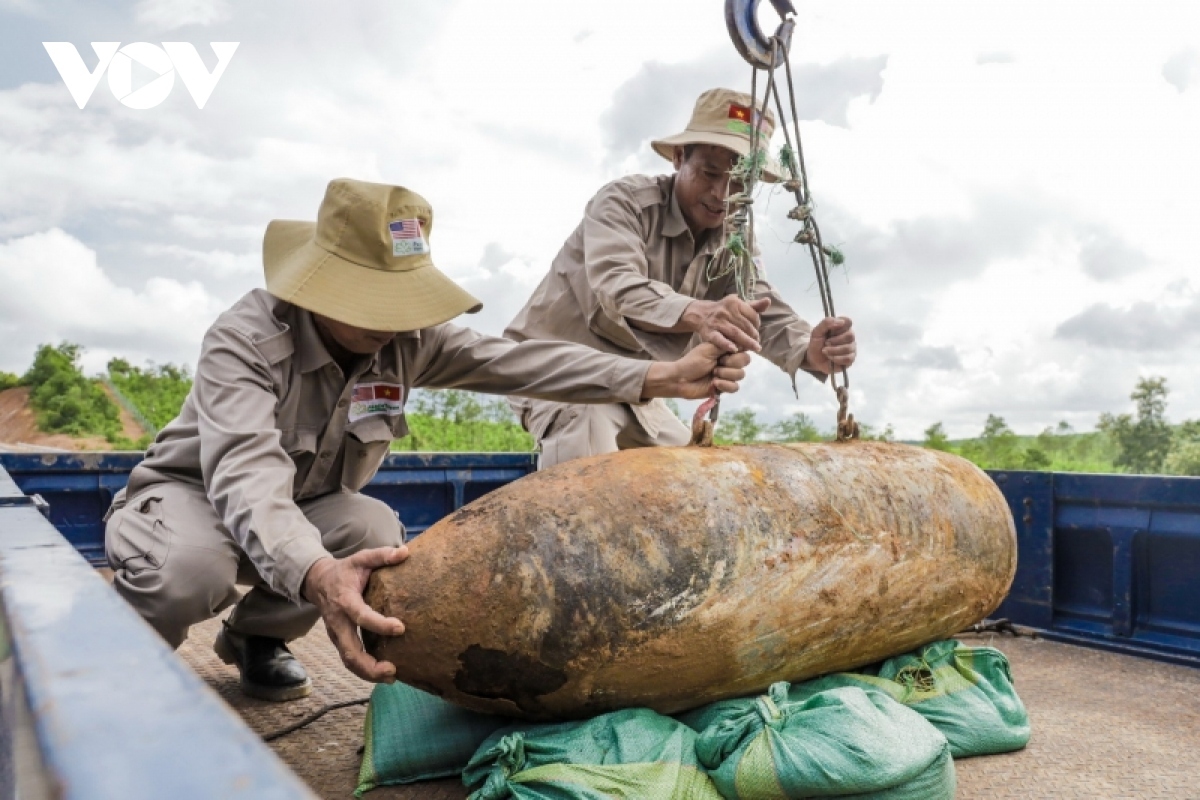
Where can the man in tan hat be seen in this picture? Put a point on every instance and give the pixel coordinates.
(633, 279)
(298, 394)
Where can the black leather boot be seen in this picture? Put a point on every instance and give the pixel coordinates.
(269, 670)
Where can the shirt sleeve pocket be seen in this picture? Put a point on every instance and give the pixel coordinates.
(538, 417)
(376, 428)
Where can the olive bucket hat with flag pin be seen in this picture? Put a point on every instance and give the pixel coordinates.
(727, 119)
(365, 261)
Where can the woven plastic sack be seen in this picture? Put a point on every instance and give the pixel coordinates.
(844, 742)
(412, 736)
(966, 692)
(634, 753)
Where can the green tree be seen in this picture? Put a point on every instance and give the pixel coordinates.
(1184, 456)
(454, 421)
(8, 381)
(156, 392)
(438, 435)
(799, 427)
(739, 427)
(867, 432)
(1069, 451)
(64, 401)
(1052, 440)
(935, 438)
(996, 448)
(1035, 459)
(1183, 459)
(1142, 442)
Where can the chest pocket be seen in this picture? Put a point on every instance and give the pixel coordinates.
(695, 279)
(367, 442)
(301, 446)
(298, 441)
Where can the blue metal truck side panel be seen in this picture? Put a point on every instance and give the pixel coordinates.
(423, 487)
(1109, 561)
(94, 703)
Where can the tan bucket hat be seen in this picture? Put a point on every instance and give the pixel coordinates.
(365, 262)
(725, 118)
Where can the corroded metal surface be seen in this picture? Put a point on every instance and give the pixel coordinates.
(671, 577)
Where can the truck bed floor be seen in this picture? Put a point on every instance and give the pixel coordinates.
(1104, 725)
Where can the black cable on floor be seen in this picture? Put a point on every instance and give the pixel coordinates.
(1001, 626)
(313, 717)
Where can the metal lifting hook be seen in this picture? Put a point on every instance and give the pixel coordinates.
(748, 38)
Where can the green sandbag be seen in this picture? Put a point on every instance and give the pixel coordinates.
(414, 736)
(966, 692)
(845, 742)
(634, 753)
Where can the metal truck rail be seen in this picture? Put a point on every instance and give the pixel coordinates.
(1107, 561)
(94, 704)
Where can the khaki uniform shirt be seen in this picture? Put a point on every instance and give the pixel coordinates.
(633, 257)
(271, 418)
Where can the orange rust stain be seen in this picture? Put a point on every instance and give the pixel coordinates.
(758, 476)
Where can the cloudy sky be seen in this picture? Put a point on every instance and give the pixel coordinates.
(1014, 183)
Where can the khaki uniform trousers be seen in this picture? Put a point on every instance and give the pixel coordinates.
(565, 430)
(177, 565)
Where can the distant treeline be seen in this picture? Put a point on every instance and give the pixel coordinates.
(1143, 442)
(67, 401)
(451, 421)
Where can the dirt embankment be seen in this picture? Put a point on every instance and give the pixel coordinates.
(19, 431)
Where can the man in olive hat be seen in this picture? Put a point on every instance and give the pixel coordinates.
(298, 394)
(633, 279)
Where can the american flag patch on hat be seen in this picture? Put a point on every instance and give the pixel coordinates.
(407, 239)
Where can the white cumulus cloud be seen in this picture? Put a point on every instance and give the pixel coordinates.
(1014, 194)
(55, 290)
(171, 14)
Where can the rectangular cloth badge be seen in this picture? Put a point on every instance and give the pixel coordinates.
(742, 119)
(407, 238)
(376, 399)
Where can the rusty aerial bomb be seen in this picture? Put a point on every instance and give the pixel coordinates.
(673, 577)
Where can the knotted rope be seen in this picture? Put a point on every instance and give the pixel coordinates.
(735, 255)
(796, 182)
